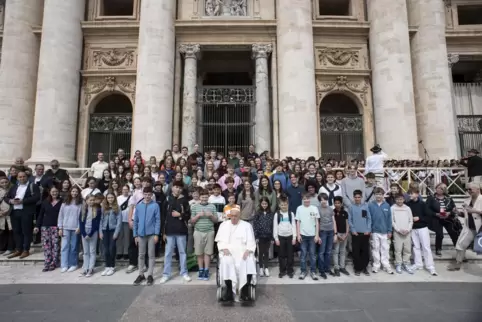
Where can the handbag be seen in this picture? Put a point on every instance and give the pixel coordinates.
(478, 242)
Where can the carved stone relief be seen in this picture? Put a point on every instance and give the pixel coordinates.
(112, 58)
(452, 59)
(215, 8)
(358, 88)
(338, 57)
(93, 86)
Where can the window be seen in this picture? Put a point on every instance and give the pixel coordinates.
(334, 7)
(470, 15)
(117, 8)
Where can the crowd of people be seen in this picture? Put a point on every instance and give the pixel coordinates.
(132, 208)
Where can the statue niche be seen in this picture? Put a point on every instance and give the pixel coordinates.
(233, 8)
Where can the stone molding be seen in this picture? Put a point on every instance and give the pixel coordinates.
(452, 59)
(339, 57)
(93, 86)
(261, 50)
(110, 58)
(225, 9)
(341, 84)
(190, 50)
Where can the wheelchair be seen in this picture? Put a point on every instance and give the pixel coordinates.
(250, 285)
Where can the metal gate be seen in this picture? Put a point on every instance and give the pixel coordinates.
(342, 137)
(108, 133)
(226, 117)
(470, 132)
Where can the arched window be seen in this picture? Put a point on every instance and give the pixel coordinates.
(110, 126)
(341, 128)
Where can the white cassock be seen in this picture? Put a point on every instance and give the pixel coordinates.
(237, 239)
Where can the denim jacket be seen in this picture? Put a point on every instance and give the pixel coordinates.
(113, 219)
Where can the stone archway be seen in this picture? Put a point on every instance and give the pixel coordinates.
(341, 128)
(110, 126)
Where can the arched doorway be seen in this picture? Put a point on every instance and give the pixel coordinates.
(110, 127)
(341, 127)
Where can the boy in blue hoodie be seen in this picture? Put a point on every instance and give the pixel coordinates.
(360, 222)
(146, 231)
(381, 231)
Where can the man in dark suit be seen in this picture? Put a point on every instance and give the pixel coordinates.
(56, 174)
(474, 165)
(44, 183)
(23, 197)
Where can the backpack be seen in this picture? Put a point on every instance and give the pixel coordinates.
(289, 215)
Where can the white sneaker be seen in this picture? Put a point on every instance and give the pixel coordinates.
(261, 272)
(266, 272)
(130, 269)
(8, 252)
(163, 279)
(389, 270)
(72, 269)
(432, 271)
(64, 269)
(374, 270)
(105, 271)
(186, 278)
(111, 271)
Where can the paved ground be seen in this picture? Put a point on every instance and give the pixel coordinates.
(394, 302)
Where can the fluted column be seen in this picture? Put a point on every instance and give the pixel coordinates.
(57, 102)
(189, 111)
(432, 81)
(298, 125)
(262, 126)
(152, 123)
(18, 78)
(394, 108)
(453, 59)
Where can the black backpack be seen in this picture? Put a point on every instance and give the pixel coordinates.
(289, 215)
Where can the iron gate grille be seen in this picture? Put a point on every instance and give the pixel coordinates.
(226, 120)
(342, 137)
(108, 133)
(470, 132)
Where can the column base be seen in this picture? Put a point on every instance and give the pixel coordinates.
(64, 163)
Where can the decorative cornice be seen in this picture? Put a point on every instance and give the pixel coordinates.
(113, 57)
(341, 84)
(107, 84)
(190, 50)
(452, 59)
(261, 50)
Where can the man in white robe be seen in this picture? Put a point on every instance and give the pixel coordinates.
(237, 265)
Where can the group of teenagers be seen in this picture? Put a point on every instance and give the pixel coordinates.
(127, 212)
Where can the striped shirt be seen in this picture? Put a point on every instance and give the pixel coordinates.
(204, 224)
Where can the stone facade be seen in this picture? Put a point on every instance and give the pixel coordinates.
(391, 61)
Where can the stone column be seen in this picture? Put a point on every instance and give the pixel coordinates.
(432, 80)
(189, 111)
(452, 60)
(394, 108)
(57, 103)
(152, 128)
(18, 78)
(298, 125)
(262, 128)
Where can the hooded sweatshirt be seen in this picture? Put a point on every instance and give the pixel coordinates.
(402, 218)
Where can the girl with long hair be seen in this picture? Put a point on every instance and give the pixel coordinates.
(263, 232)
(65, 187)
(122, 243)
(89, 229)
(68, 225)
(246, 201)
(109, 231)
(114, 187)
(90, 187)
(7, 244)
(265, 190)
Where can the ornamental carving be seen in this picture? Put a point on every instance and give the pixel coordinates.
(341, 84)
(227, 95)
(190, 50)
(469, 124)
(333, 124)
(452, 59)
(92, 88)
(261, 50)
(338, 57)
(233, 8)
(113, 58)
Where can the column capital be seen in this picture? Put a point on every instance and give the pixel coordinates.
(190, 50)
(452, 59)
(261, 50)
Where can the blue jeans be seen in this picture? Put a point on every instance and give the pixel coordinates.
(308, 245)
(68, 253)
(324, 252)
(171, 242)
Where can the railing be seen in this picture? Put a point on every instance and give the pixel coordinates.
(427, 178)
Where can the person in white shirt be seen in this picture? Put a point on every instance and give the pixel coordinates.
(90, 188)
(284, 235)
(374, 164)
(98, 167)
(331, 189)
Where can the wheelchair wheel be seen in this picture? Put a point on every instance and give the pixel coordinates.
(218, 281)
(252, 294)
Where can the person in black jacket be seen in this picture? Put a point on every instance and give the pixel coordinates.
(474, 165)
(23, 198)
(420, 233)
(443, 212)
(56, 174)
(177, 214)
